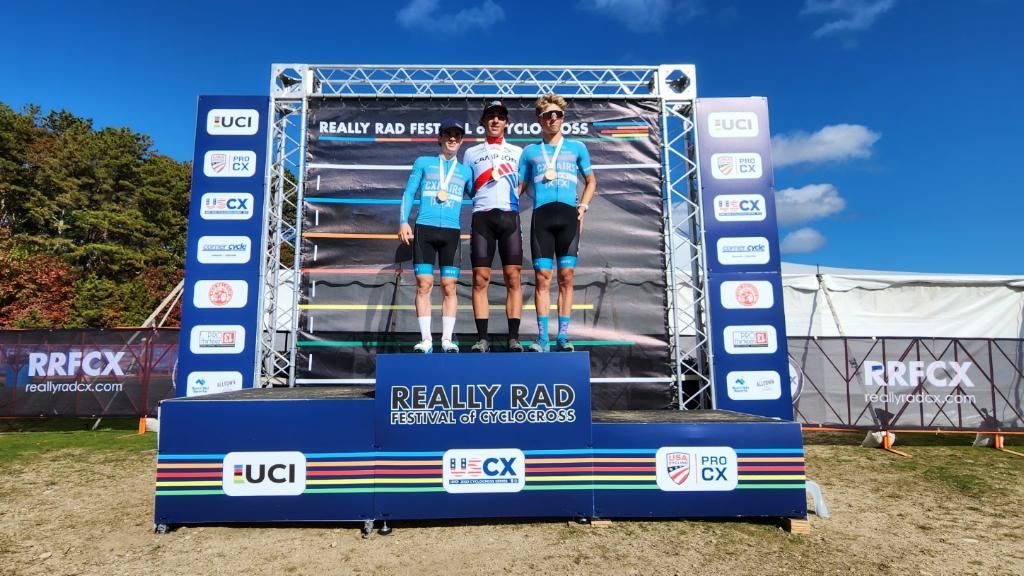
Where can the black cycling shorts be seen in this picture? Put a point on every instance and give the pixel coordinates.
(496, 228)
(554, 232)
(433, 243)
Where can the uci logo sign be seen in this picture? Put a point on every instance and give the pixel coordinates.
(264, 473)
(232, 122)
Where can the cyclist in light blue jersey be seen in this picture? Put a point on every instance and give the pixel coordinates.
(552, 168)
(441, 183)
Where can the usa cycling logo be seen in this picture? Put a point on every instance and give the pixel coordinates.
(740, 208)
(226, 206)
(696, 468)
(484, 470)
(232, 122)
(678, 466)
(736, 166)
(229, 163)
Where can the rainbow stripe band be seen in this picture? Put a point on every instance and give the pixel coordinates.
(422, 472)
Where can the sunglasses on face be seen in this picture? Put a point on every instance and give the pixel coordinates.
(490, 117)
(450, 134)
(551, 115)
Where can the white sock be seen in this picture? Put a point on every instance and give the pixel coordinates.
(424, 327)
(448, 326)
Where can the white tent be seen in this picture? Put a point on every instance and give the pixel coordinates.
(844, 302)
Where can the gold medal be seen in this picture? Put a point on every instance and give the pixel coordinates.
(495, 175)
(442, 196)
(549, 174)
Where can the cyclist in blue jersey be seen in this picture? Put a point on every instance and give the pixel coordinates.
(552, 168)
(441, 183)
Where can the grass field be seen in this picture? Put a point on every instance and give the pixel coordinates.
(74, 501)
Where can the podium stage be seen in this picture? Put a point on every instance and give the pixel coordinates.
(465, 436)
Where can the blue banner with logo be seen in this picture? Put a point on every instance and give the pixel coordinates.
(746, 314)
(220, 304)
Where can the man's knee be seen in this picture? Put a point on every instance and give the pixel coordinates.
(481, 280)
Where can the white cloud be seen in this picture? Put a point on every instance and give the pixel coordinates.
(795, 206)
(424, 14)
(832, 143)
(645, 15)
(850, 15)
(802, 241)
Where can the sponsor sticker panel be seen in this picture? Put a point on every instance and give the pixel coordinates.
(224, 249)
(217, 339)
(229, 164)
(696, 468)
(747, 294)
(264, 474)
(477, 471)
(220, 294)
(232, 122)
(740, 208)
(743, 251)
(751, 339)
(754, 385)
(212, 382)
(227, 206)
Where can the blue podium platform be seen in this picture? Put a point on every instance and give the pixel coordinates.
(465, 436)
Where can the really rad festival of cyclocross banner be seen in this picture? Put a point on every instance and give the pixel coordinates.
(358, 285)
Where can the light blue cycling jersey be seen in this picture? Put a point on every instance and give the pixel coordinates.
(426, 179)
(572, 160)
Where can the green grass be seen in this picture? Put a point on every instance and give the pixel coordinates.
(24, 446)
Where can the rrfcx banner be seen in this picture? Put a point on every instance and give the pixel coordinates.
(86, 372)
(358, 285)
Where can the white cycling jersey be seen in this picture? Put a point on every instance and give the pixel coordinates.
(490, 193)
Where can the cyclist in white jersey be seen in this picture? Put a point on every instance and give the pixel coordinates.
(496, 226)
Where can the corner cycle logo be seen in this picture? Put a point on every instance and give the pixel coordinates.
(264, 474)
(696, 468)
(224, 250)
(746, 295)
(220, 294)
(733, 125)
(744, 250)
(740, 208)
(484, 470)
(217, 339)
(232, 122)
(229, 163)
(226, 206)
(736, 166)
(202, 383)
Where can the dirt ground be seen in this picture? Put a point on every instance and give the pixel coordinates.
(946, 510)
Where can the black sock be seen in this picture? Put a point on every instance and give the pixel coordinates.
(513, 328)
(481, 328)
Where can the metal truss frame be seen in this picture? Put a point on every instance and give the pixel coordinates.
(673, 86)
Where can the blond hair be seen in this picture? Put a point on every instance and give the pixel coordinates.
(548, 99)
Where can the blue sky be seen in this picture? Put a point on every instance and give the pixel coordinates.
(895, 127)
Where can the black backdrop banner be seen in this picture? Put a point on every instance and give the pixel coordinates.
(357, 279)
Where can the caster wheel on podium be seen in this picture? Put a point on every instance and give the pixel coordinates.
(161, 529)
(367, 528)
